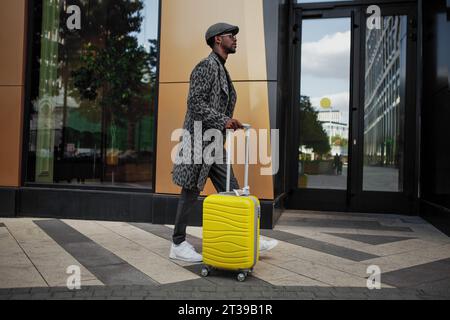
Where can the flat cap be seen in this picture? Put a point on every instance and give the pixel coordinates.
(220, 28)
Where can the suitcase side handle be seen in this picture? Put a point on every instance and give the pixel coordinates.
(246, 189)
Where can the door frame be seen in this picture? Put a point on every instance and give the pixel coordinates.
(354, 198)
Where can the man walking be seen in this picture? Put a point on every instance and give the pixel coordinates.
(211, 100)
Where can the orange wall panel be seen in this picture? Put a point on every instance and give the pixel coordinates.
(10, 137)
(183, 45)
(12, 31)
(12, 66)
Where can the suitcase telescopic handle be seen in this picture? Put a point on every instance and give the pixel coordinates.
(246, 189)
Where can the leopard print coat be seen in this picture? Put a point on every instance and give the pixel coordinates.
(210, 102)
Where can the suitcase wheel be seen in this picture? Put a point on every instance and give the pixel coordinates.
(242, 276)
(205, 271)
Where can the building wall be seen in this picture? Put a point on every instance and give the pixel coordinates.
(435, 162)
(183, 25)
(248, 69)
(12, 68)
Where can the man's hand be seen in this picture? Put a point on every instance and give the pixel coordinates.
(234, 124)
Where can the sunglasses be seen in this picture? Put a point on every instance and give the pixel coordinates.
(229, 35)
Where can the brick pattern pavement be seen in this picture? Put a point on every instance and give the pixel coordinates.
(320, 256)
(230, 292)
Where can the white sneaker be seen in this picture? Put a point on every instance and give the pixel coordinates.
(266, 245)
(185, 252)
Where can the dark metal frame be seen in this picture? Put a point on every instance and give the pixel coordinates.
(30, 52)
(354, 198)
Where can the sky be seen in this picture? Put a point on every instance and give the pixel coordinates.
(326, 62)
(149, 28)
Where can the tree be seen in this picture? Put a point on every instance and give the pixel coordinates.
(339, 141)
(312, 134)
(115, 70)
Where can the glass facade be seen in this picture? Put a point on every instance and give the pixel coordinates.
(94, 93)
(384, 105)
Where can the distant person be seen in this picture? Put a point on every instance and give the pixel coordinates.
(337, 165)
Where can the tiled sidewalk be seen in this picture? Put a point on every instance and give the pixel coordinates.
(320, 256)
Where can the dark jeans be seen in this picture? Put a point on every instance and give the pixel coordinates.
(218, 176)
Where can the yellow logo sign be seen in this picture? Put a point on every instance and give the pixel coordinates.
(325, 103)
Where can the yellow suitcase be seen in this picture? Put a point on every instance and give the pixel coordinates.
(231, 223)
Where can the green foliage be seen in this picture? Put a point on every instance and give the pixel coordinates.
(339, 141)
(312, 134)
(115, 72)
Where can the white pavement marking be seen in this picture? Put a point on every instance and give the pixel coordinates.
(278, 276)
(295, 253)
(321, 273)
(16, 270)
(386, 249)
(421, 229)
(321, 236)
(300, 229)
(396, 256)
(48, 256)
(136, 247)
(400, 247)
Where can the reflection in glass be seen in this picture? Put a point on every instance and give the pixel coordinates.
(93, 114)
(384, 105)
(324, 104)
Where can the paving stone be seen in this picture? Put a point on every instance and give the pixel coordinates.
(236, 295)
(324, 247)
(223, 285)
(121, 293)
(20, 297)
(323, 294)
(305, 295)
(166, 233)
(352, 296)
(40, 296)
(106, 266)
(134, 298)
(417, 275)
(139, 293)
(20, 290)
(279, 235)
(101, 293)
(370, 239)
(62, 295)
(84, 294)
(39, 290)
(342, 224)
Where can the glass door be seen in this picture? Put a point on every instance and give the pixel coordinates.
(324, 104)
(322, 108)
(352, 110)
(386, 113)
